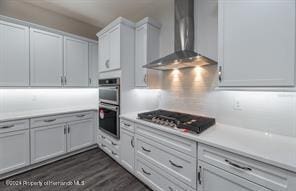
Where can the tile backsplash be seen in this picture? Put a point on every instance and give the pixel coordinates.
(193, 90)
(20, 100)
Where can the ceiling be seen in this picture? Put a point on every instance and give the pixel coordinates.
(101, 12)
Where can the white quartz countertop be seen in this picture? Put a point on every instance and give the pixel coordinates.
(40, 113)
(273, 149)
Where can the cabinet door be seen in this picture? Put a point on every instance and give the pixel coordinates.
(114, 49)
(104, 49)
(48, 142)
(14, 55)
(93, 65)
(127, 150)
(213, 179)
(206, 28)
(256, 43)
(14, 150)
(75, 62)
(46, 58)
(80, 134)
(147, 50)
(141, 56)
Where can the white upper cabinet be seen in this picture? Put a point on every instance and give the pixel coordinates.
(46, 58)
(75, 62)
(114, 49)
(109, 50)
(93, 64)
(257, 43)
(114, 39)
(104, 52)
(14, 55)
(146, 50)
(206, 28)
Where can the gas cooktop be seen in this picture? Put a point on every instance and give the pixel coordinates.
(183, 121)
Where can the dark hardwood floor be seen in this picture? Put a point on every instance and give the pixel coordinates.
(98, 171)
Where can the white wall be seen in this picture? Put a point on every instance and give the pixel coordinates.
(19, 100)
(27, 12)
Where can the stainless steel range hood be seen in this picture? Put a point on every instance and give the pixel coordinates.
(184, 55)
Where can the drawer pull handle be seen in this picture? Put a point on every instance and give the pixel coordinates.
(113, 143)
(80, 115)
(171, 189)
(238, 166)
(49, 120)
(133, 142)
(175, 165)
(125, 124)
(146, 150)
(7, 127)
(114, 153)
(146, 172)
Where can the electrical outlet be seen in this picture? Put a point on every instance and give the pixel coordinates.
(237, 105)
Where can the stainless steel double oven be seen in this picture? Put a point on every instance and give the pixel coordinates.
(109, 106)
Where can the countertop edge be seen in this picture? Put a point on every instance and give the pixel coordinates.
(43, 113)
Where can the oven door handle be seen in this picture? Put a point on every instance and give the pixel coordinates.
(113, 108)
(109, 88)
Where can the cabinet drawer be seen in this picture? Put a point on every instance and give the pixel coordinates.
(127, 125)
(179, 165)
(258, 172)
(10, 126)
(156, 179)
(80, 116)
(172, 141)
(110, 151)
(109, 145)
(109, 142)
(56, 119)
(216, 179)
(49, 120)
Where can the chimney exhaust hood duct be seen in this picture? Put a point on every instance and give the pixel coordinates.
(184, 55)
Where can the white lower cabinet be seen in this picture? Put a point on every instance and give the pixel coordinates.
(48, 142)
(14, 150)
(80, 134)
(216, 179)
(127, 150)
(237, 172)
(57, 135)
(157, 179)
(109, 144)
